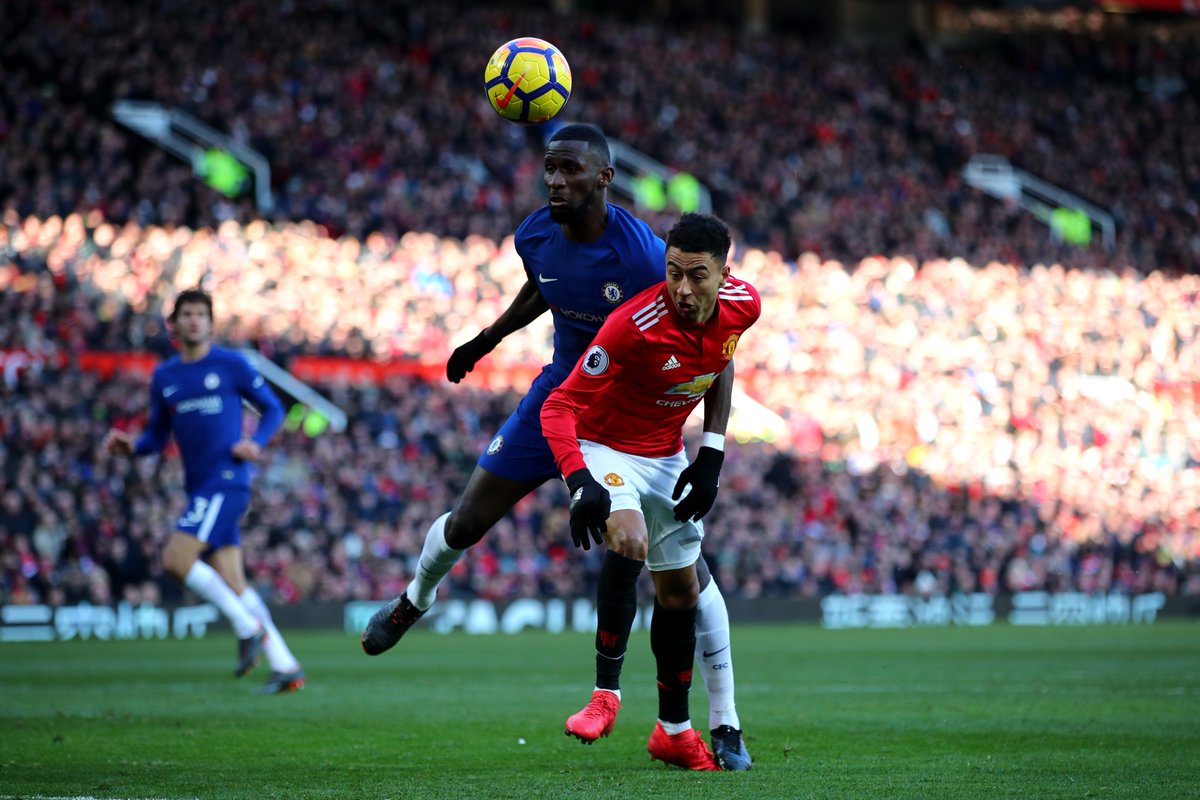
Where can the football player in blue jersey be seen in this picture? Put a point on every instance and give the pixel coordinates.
(583, 257)
(197, 397)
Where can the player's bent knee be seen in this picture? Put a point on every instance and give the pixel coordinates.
(177, 564)
(463, 530)
(629, 546)
(678, 599)
(627, 536)
(180, 553)
(676, 588)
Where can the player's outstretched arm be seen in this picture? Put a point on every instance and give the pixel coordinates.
(704, 473)
(527, 306)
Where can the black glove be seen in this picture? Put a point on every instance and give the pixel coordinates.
(466, 356)
(590, 505)
(704, 474)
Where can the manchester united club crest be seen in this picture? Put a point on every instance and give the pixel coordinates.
(613, 479)
(613, 292)
(729, 346)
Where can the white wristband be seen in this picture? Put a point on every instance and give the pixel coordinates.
(714, 440)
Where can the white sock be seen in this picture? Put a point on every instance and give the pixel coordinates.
(716, 662)
(278, 654)
(674, 728)
(617, 692)
(437, 558)
(208, 583)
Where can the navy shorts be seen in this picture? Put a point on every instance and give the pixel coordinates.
(519, 451)
(212, 516)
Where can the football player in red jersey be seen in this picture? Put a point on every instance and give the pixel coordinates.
(583, 257)
(615, 426)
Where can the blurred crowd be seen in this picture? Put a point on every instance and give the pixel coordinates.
(372, 116)
(943, 426)
(342, 517)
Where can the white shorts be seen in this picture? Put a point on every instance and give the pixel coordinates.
(643, 484)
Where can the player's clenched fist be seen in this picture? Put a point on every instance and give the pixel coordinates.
(465, 356)
(704, 475)
(590, 505)
(246, 450)
(118, 442)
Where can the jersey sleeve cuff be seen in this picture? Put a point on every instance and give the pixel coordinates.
(573, 462)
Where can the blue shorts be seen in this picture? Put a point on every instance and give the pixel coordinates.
(519, 451)
(212, 516)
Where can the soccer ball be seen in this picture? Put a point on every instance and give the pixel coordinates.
(527, 80)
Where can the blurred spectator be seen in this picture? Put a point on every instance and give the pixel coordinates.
(372, 117)
(967, 405)
(947, 427)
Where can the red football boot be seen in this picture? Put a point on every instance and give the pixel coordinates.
(595, 719)
(685, 749)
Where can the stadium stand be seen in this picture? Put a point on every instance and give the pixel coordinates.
(342, 98)
(948, 427)
(968, 404)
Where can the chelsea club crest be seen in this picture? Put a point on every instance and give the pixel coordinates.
(613, 292)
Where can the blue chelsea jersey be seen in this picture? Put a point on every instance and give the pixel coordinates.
(200, 402)
(583, 283)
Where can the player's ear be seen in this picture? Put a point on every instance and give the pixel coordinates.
(605, 177)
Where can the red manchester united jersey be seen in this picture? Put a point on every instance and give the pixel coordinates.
(644, 373)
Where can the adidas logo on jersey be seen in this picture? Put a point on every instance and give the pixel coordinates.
(672, 363)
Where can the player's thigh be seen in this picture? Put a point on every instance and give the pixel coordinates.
(673, 544)
(487, 498)
(181, 552)
(228, 563)
(516, 461)
(622, 475)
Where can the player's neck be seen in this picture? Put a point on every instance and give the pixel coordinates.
(591, 227)
(194, 352)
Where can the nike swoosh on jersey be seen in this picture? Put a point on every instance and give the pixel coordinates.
(170, 390)
(543, 279)
(714, 652)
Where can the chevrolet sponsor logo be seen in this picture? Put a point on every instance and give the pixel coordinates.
(695, 387)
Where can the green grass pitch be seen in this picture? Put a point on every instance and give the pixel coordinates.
(994, 712)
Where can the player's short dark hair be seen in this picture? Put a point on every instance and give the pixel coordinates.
(701, 233)
(192, 296)
(582, 132)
